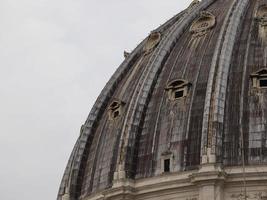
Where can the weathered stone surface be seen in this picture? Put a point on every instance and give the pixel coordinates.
(214, 120)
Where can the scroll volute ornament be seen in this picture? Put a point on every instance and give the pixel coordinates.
(203, 24)
(152, 41)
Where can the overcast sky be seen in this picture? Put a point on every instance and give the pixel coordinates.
(55, 58)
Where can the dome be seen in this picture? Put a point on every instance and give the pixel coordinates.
(185, 115)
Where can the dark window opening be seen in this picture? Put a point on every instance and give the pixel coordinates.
(167, 165)
(116, 114)
(178, 94)
(263, 83)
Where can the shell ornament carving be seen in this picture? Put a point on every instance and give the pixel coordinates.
(201, 26)
(152, 41)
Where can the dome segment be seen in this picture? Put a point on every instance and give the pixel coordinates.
(188, 106)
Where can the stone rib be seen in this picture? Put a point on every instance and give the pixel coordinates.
(97, 110)
(215, 100)
(155, 63)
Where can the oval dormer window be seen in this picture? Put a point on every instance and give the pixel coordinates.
(203, 24)
(115, 110)
(261, 15)
(259, 78)
(178, 89)
(152, 41)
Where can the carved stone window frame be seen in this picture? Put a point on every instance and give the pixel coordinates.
(115, 109)
(167, 155)
(257, 77)
(205, 22)
(178, 86)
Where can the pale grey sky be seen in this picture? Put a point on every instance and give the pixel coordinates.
(55, 58)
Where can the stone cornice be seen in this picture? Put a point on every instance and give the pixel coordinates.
(183, 182)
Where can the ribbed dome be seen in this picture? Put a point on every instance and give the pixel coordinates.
(193, 92)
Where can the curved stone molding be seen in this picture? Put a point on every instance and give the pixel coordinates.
(203, 24)
(223, 69)
(65, 186)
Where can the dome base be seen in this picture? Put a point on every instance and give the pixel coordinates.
(210, 182)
